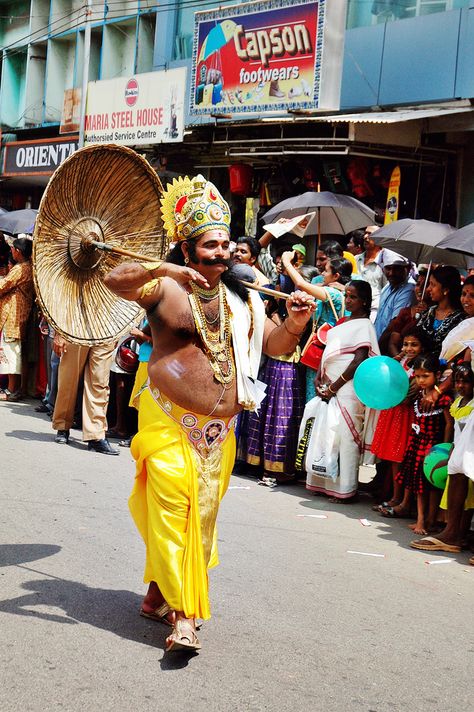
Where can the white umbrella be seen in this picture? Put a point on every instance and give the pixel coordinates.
(462, 242)
(336, 214)
(419, 241)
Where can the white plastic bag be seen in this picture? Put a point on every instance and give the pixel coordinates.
(322, 456)
(304, 434)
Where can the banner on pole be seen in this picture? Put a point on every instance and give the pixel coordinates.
(393, 197)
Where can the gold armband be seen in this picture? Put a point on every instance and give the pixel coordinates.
(151, 266)
(149, 288)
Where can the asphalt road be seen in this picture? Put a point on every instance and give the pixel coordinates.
(298, 622)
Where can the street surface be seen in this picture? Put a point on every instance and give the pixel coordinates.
(298, 622)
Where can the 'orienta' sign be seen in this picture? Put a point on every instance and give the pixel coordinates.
(40, 157)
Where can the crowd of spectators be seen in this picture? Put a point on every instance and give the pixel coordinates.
(311, 428)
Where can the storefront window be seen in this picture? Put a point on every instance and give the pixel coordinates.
(183, 48)
(361, 13)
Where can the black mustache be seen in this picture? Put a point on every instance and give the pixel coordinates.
(216, 261)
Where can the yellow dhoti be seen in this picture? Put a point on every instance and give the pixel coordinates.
(184, 462)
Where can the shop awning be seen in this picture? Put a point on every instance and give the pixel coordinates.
(392, 117)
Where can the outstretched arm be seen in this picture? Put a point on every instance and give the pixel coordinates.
(314, 290)
(279, 340)
(135, 282)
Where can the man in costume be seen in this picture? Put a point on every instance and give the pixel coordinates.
(208, 333)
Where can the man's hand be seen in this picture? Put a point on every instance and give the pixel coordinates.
(59, 345)
(139, 335)
(185, 275)
(287, 258)
(300, 307)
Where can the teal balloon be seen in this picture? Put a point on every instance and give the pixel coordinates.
(381, 382)
(435, 464)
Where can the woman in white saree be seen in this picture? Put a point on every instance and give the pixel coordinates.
(343, 427)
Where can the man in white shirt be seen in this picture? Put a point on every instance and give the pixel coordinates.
(369, 269)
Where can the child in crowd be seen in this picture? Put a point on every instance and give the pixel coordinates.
(461, 409)
(429, 427)
(394, 425)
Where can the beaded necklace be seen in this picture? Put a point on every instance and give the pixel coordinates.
(217, 344)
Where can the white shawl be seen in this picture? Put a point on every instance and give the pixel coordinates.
(247, 347)
(454, 342)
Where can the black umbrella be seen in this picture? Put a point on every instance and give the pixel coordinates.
(18, 221)
(336, 214)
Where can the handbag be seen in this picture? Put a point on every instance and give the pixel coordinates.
(126, 356)
(312, 352)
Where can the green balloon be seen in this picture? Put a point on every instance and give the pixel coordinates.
(435, 465)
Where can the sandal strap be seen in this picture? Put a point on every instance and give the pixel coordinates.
(184, 629)
(162, 610)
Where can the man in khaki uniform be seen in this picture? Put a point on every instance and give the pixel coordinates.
(94, 362)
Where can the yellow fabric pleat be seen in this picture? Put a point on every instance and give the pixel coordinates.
(141, 378)
(165, 504)
(468, 504)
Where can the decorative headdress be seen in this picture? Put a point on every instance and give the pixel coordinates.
(191, 206)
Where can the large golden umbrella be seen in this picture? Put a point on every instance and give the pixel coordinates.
(106, 194)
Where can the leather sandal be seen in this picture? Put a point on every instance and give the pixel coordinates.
(159, 614)
(183, 637)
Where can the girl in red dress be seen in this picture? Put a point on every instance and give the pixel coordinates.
(394, 425)
(431, 425)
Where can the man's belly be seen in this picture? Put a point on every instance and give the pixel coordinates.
(186, 378)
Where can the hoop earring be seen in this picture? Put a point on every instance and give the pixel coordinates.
(186, 260)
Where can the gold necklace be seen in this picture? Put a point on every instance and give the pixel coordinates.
(217, 344)
(206, 294)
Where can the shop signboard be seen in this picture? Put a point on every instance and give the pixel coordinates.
(268, 56)
(131, 111)
(71, 113)
(40, 158)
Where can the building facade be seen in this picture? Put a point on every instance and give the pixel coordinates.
(406, 88)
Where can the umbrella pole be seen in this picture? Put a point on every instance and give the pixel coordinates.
(443, 192)
(426, 280)
(319, 221)
(146, 258)
(417, 192)
(319, 230)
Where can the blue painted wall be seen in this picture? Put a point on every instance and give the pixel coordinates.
(465, 73)
(417, 60)
(363, 52)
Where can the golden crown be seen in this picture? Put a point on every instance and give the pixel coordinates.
(191, 206)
